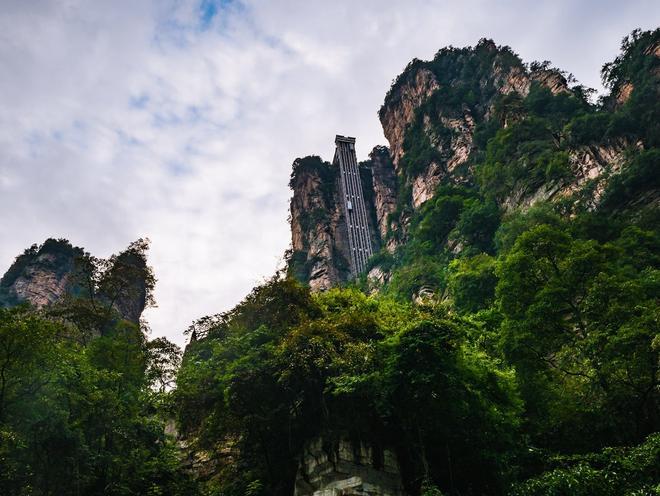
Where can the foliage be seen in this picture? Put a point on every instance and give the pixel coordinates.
(163, 359)
(639, 177)
(614, 471)
(471, 282)
(476, 226)
(439, 216)
(631, 62)
(425, 272)
(522, 156)
(352, 364)
(80, 412)
(636, 66)
(580, 316)
(451, 63)
(564, 291)
(419, 150)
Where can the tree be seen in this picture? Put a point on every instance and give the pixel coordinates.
(163, 362)
(107, 290)
(582, 347)
(471, 282)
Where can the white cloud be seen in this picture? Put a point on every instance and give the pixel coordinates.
(121, 119)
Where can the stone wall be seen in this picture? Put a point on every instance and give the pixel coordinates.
(343, 468)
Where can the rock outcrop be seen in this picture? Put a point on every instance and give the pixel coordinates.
(551, 79)
(384, 185)
(319, 238)
(41, 275)
(411, 89)
(127, 285)
(623, 89)
(456, 150)
(426, 99)
(48, 274)
(435, 97)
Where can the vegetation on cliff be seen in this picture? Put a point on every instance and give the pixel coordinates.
(285, 366)
(82, 398)
(529, 363)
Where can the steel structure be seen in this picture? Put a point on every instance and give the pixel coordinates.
(359, 236)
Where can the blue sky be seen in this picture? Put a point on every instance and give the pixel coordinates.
(179, 120)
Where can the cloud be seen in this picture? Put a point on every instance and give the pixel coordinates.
(179, 120)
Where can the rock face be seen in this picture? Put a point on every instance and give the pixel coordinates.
(130, 298)
(416, 85)
(41, 275)
(418, 100)
(436, 97)
(47, 274)
(343, 468)
(457, 150)
(551, 79)
(384, 184)
(623, 90)
(594, 163)
(319, 238)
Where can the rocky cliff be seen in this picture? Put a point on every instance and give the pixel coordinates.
(508, 201)
(438, 118)
(41, 275)
(384, 186)
(126, 284)
(319, 237)
(430, 114)
(48, 274)
(319, 241)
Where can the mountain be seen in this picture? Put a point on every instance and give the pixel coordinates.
(319, 248)
(481, 121)
(81, 385)
(503, 338)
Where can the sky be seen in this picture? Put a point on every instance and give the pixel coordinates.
(178, 120)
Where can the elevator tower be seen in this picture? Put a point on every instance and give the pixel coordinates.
(355, 212)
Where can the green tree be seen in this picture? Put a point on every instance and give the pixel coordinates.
(582, 347)
(471, 282)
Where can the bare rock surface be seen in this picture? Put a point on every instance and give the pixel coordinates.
(345, 468)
